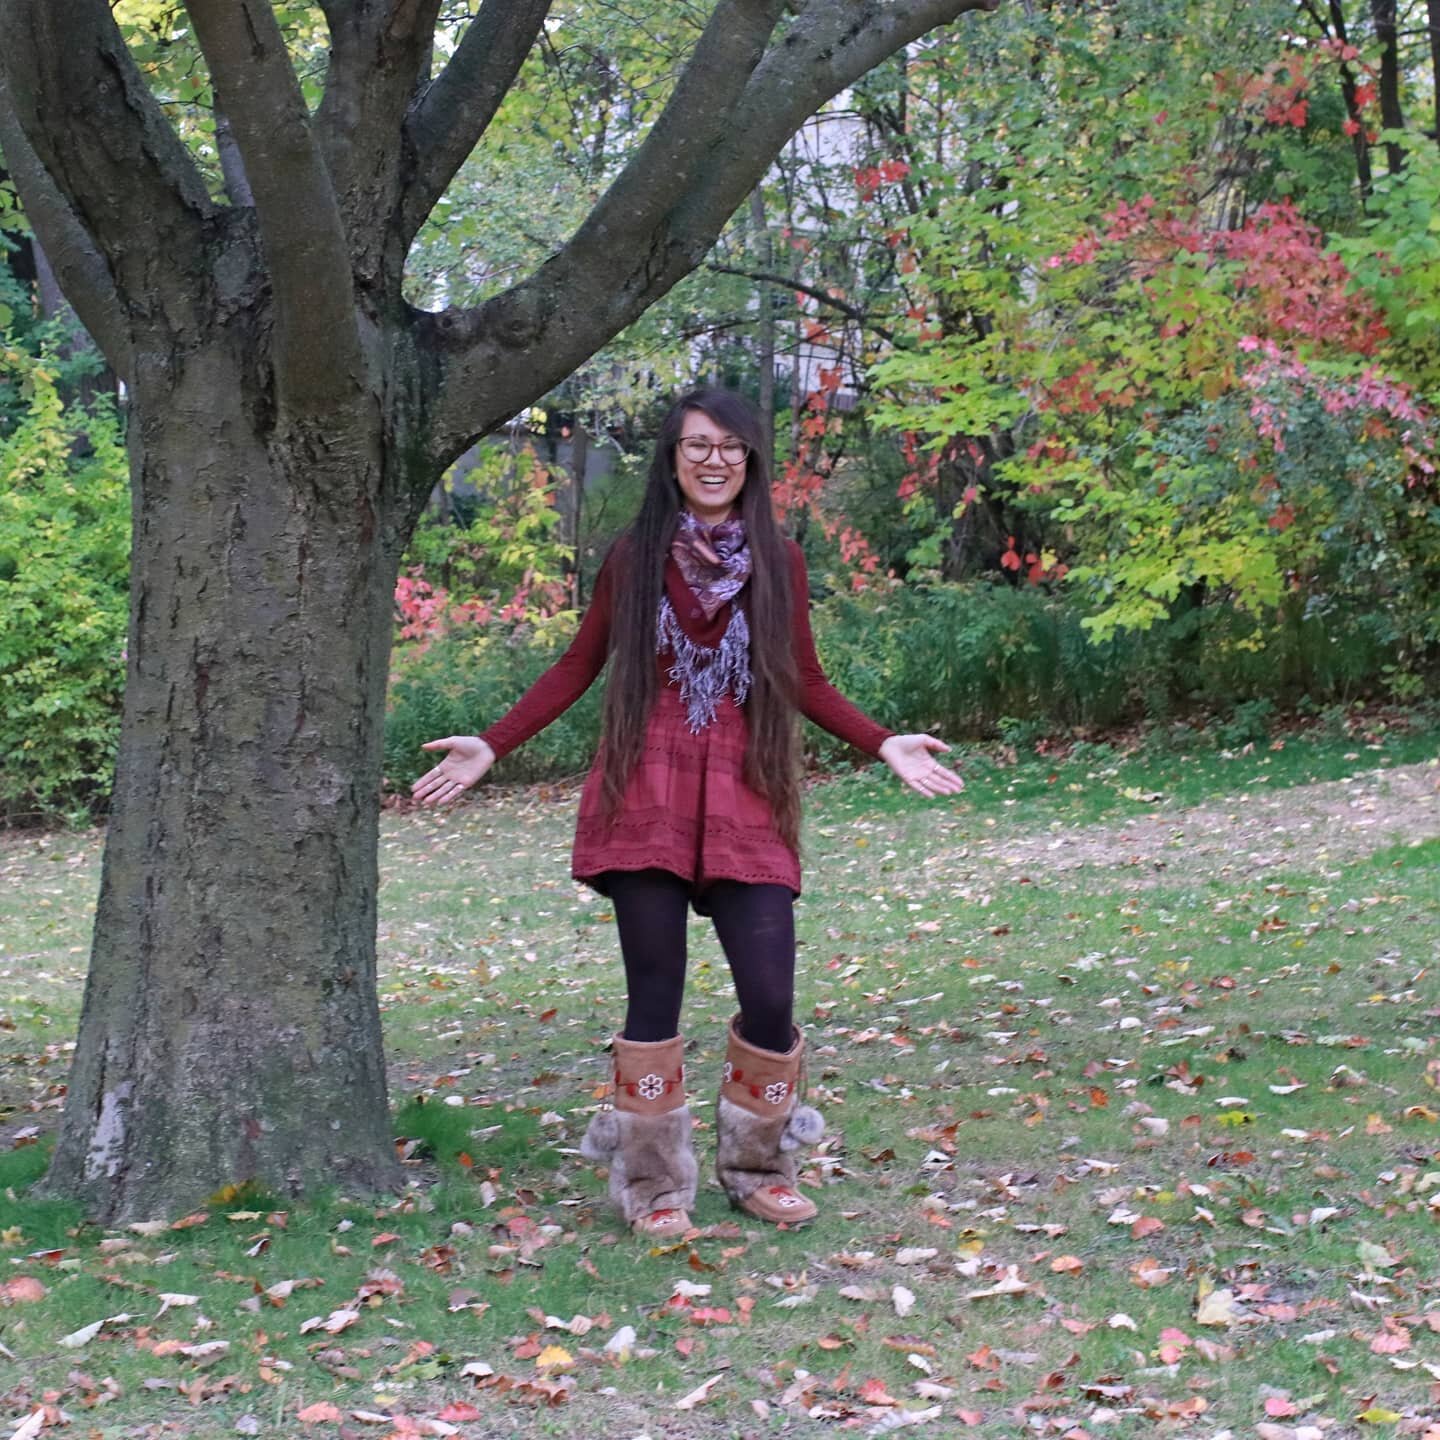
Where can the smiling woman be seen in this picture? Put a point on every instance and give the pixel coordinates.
(709, 467)
(702, 608)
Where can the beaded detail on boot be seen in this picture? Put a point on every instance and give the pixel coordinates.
(646, 1140)
(760, 1125)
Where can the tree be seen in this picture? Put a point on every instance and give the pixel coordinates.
(289, 414)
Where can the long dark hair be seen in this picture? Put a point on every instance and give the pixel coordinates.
(772, 751)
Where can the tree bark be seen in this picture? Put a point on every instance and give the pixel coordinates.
(765, 249)
(1432, 18)
(1382, 13)
(230, 1028)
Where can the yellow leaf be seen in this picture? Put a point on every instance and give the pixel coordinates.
(1217, 1308)
(554, 1357)
(1376, 1415)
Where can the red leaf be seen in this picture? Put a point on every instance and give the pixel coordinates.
(321, 1410)
(458, 1411)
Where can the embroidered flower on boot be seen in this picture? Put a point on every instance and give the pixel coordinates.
(777, 1092)
(650, 1087)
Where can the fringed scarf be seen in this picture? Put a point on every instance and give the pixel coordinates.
(715, 562)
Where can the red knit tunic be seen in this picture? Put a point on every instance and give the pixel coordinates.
(687, 808)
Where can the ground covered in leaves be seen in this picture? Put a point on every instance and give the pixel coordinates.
(1130, 1067)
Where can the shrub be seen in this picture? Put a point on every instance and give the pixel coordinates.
(466, 680)
(64, 566)
(965, 661)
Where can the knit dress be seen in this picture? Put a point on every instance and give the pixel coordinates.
(686, 808)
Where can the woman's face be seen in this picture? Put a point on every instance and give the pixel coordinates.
(712, 484)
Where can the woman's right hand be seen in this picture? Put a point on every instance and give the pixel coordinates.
(468, 757)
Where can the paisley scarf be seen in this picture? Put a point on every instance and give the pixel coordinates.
(715, 562)
(714, 559)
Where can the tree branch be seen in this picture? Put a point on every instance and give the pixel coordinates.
(448, 119)
(678, 149)
(380, 53)
(853, 312)
(317, 340)
(110, 153)
(78, 265)
(626, 256)
(232, 163)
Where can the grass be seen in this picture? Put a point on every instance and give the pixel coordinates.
(1072, 1116)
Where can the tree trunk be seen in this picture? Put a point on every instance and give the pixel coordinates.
(1382, 13)
(766, 337)
(1432, 19)
(579, 460)
(230, 1025)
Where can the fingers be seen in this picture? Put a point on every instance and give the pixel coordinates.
(437, 789)
(934, 781)
(444, 744)
(437, 786)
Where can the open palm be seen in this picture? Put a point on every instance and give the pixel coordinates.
(912, 758)
(467, 759)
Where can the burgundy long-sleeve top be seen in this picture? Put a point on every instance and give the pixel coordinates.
(572, 674)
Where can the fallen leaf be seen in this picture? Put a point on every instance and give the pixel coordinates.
(320, 1411)
(554, 1358)
(621, 1343)
(1219, 1307)
(333, 1323)
(700, 1394)
(914, 1255)
(1375, 1256)
(459, 1411)
(1009, 1284)
(87, 1333)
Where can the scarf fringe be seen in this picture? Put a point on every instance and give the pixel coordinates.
(704, 673)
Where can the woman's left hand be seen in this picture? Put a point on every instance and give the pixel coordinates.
(909, 756)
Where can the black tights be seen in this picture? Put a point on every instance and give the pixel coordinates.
(756, 926)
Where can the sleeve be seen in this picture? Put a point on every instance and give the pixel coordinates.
(567, 679)
(820, 701)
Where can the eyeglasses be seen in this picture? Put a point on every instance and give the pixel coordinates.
(697, 450)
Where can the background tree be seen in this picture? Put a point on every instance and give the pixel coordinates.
(290, 412)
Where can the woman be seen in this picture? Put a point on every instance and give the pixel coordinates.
(702, 608)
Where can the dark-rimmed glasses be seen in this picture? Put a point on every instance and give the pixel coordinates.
(697, 450)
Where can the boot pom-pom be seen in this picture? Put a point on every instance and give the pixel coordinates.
(805, 1127)
(602, 1137)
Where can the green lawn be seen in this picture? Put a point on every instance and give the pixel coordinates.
(1106, 1150)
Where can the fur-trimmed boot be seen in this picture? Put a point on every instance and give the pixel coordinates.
(759, 1126)
(646, 1140)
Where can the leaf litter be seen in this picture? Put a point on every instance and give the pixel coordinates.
(1077, 1220)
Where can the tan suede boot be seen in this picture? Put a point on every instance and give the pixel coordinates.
(759, 1126)
(646, 1140)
